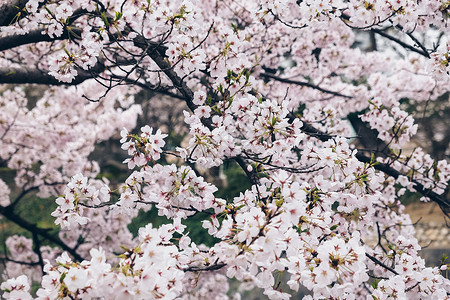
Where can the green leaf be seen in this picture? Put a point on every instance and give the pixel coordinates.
(374, 284)
(125, 248)
(104, 18)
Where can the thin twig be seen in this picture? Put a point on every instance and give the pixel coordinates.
(307, 84)
(378, 262)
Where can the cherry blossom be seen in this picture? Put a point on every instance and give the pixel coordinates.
(317, 120)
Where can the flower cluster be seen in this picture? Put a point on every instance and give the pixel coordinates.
(58, 134)
(334, 260)
(144, 148)
(421, 168)
(155, 265)
(77, 194)
(271, 136)
(429, 282)
(184, 57)
(207, 147)
(16, 288)
(180, 192)
(273, 85)
(394, 126)
(440, 63)
(64, 65)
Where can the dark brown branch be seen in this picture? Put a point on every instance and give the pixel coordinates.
(35, 36)
(412, 287)
(401, 43)
(7, 259)
(9, 214)
(250, 174)
(213, 267)
(27, 75)
(421, 51)
(285, 23)
(379, 239)
(378, 262)
(301, 83)
(23, 194)
(39, 35)
(9, 11)
(419, 44)
(156, 51)
(367, 137)
(312, 131)
(37, 250)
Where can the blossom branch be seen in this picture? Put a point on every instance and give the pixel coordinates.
(378, 262)
(40, 35)
(157, 54)
(442, 200)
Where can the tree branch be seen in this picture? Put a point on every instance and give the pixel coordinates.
(23, 194)
(301, 83)
(7, 259)
(442, 200)
(401, 43)
(378, 262)
(367, 137)
(10, 10)
(37, 250)
(421, 51)
(27, 75)
(35, 36)
(156, 51)
(250, 174)
(9, 213)
(213, 267)
(40, 35)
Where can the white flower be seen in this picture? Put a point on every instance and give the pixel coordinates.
(4, 194)
(75, 279)
(202, 111)
(66, 203)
